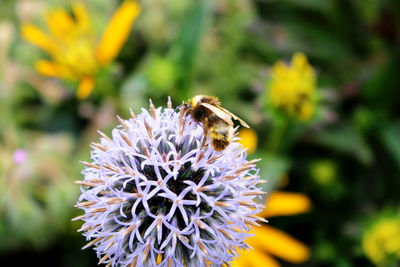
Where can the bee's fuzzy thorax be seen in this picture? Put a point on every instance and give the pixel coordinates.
(195, 101)
(199, 113)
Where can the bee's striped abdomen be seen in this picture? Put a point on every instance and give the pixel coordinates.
(221, 134)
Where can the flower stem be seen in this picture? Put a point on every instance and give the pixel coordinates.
(276, 136)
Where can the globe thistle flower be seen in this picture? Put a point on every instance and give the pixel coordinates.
(154, 196)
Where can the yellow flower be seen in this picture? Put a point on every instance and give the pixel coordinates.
(248, 139)
(292, 88)
(381, 243)
(268, 241)
(75, 54)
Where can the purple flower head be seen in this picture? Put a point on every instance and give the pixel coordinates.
(154, 197)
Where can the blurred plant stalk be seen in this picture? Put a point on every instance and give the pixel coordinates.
(35, 187)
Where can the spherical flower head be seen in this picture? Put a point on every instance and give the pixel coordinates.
(153, 196)
(381, 242)
(292, 88)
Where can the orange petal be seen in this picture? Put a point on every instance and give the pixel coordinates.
(280, 244)
(85, 88)
(284, 203)
(117, 31)
(37, 37)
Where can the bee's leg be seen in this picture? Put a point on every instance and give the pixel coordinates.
(205, 134)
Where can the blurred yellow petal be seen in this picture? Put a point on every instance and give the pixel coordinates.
(81, 15)
(279, 70)
(306, 110)
(85, 88)
(381, 243)
(248, 139)
(292, 87)
(241, 262)
(280, 244)
(60, 24)
(258, 258)
(254, 257)
(299, 60)
(50, 69)
(117, 31)
(284, 203)
(79, 58)
(37, 37)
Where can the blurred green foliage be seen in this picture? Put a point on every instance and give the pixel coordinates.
(347, 158)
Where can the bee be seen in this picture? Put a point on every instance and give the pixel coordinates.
(216, 121)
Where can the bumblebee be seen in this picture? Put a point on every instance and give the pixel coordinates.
(216, 121)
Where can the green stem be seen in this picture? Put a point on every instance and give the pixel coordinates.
(276, 136)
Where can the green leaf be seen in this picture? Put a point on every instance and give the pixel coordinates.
(346, 140)
(186, 46)
(391, 140)
(272, 168)
(133, 90)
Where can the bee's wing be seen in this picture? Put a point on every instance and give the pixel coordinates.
(242, 122)
(220, 113)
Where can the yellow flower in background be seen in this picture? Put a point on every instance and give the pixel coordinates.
(381, 243)
(248, 139)
(75, 53)
(324, 172)
(292, 88)
(268, 241)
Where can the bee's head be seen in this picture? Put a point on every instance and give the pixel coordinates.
(186, 106)
(193, 102)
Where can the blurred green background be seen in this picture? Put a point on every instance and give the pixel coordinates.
(345, 157)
